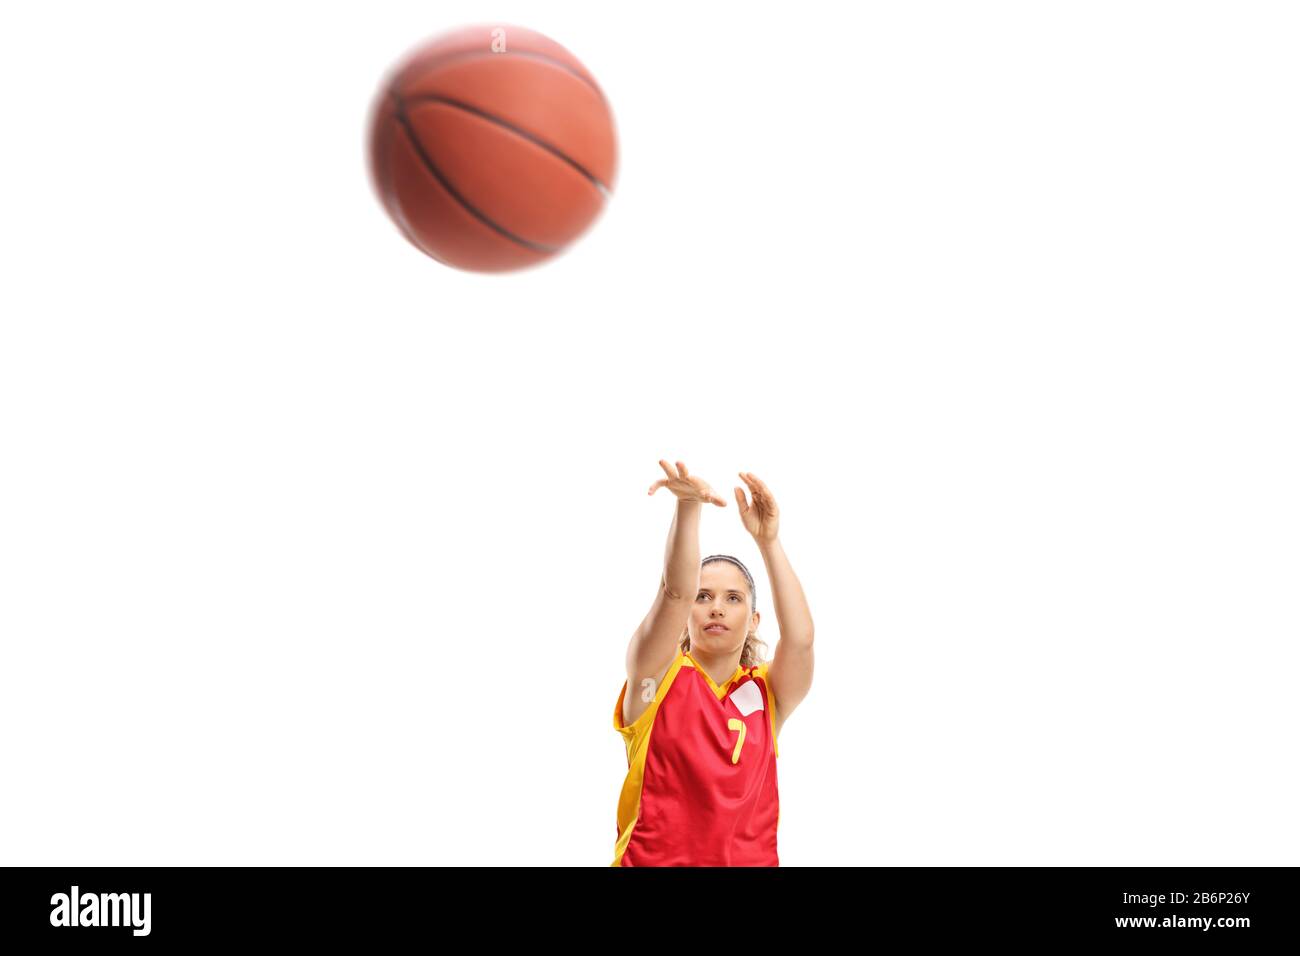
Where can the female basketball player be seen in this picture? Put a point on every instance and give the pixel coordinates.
(704, 709)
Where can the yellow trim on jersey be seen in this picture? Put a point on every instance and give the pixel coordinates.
(719, 690)
(771, 709)
(637, 737)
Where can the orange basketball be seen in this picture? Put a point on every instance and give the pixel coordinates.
(492, 148)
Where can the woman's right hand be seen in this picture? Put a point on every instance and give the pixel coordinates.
(685, 487)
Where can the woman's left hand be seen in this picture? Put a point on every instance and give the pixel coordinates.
(760, 518)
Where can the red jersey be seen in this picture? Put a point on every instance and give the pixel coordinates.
(701, 780)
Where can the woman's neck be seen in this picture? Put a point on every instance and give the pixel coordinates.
(719, 667)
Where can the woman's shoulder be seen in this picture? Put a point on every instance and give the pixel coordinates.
(640, 692)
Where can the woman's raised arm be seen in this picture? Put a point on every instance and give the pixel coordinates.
(654, 644)
(791, 672)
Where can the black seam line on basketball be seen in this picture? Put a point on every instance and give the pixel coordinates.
(466, 54)
(400, 115)
(518, 131)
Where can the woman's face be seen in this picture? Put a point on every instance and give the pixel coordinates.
(720, 619)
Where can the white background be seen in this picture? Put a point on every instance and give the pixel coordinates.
(314, 551)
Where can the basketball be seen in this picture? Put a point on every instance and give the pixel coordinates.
(492, 148)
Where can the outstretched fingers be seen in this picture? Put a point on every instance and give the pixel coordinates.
(669, 471)
(756, 485)
(680, 474)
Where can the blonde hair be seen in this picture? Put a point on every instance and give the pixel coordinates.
(749, 655)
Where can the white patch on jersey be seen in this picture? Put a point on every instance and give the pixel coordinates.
(648, 690)
(747, 698)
